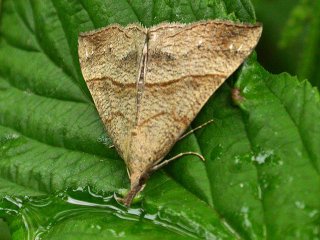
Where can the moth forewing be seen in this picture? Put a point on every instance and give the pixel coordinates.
(149, 84)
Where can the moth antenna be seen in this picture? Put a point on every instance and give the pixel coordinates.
(195, 129)
(138, 185)
(165, 162)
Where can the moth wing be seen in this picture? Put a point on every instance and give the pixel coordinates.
(110, 60)
(186, 64)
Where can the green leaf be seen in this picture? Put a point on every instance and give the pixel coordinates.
(288, 25)
(306, 13)
(57, 174)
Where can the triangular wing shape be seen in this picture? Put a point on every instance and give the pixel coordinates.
(148, 85)
(185, 66)
(110, 59)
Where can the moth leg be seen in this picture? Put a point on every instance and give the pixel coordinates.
(111, 146)
(195, 129)
(165, 162)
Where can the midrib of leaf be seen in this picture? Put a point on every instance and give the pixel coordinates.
(222, 218)
(258, 174)
(162, 184)
(271, 85)
(210, 204)
(297, 128)
(241, 127)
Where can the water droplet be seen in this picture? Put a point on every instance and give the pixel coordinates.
(51, 210)
(246, 89)
(265, 185)
(298, 152)
(299, 204)
(151, 216)
(28, 92)
(237, 160)
(11, 136)
(135, 211)
(262, 156)
(259, 192)
(105, 140)
(313, 213)
(115, 234)
(245, 212)
(96, 226)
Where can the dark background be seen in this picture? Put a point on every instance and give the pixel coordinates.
(291, 37)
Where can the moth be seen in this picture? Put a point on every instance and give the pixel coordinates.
(148, 84)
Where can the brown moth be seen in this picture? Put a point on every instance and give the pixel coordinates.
(148, 84)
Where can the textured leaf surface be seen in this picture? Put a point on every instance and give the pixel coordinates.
(260, 180)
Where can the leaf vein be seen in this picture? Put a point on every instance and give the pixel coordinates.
(296, 125)
(257, 171)
(211, 191)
